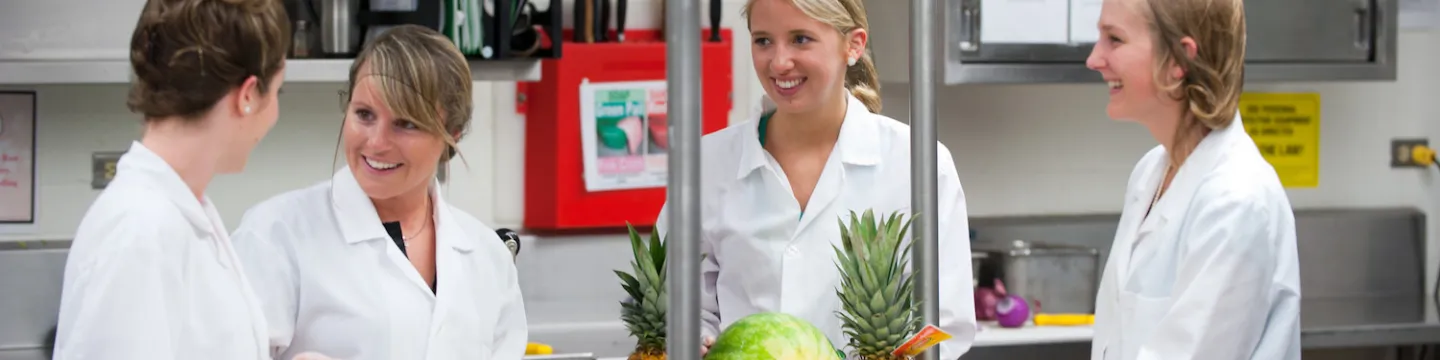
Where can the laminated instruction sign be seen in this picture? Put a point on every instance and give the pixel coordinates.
(1286, 129)
(623, 131)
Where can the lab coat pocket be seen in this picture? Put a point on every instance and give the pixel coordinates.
(1140, 315)
(465, 341)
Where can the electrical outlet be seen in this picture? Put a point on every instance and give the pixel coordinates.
(102, 168)
(1400, 150)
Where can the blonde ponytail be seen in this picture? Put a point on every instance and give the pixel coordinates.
(861, 79)
(864, 83)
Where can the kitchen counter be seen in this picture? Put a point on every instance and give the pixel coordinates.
(22, 354)
(1380, 329)
(1324, 333)
(1344, 323)
(993, 335)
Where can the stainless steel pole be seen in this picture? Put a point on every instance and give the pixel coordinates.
(682, 76)
(923, 176)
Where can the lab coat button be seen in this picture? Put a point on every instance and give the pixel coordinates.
(792, 252)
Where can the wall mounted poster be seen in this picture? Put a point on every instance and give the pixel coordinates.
(623, 134)
(1286, 129)
(17, 160)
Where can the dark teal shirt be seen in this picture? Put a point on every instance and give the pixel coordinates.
(764, 122)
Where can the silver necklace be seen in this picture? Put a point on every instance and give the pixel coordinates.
(1159, 190)
(423, 226)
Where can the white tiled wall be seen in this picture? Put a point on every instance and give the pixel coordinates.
(1020, 149)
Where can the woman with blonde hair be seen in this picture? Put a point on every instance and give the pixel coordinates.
(1204, 263)
(774, 188)
(151, 273)
(351, 267)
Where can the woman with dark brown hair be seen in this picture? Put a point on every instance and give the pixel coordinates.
(152, 273)
(1204, 264)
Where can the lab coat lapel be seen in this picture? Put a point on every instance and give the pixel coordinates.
(1202, 161)
(1133, 218)
(451, 245)
(857, 145)
(1176, 200)
(359, 222)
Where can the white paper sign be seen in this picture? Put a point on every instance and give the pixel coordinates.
(17, 161)
(1024, 21)
(1084, 21)
(623, 131)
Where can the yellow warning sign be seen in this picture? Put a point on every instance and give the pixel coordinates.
(1286, 128)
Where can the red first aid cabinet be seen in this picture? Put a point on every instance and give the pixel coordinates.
(555, 194)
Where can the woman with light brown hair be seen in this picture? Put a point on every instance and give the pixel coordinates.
(351, 267)
(1204, 262)
(774, 187)
(151, 273)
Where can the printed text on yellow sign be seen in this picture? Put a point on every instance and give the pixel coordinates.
(1286, 130)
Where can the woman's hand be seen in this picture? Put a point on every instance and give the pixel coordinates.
(705, 345)
(311, 356)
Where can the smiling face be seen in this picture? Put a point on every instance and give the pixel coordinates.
(800, 61)
(1125, 56)
(389, 154)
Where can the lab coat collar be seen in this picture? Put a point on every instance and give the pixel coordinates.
(858, 142)
(141, 161)
(1201, 161)
(448, 230)
(360, 222)
(1207, 155)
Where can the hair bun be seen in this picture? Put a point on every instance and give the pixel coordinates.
(187, 54)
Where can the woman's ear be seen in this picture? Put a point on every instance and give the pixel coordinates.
(857, 39)
(247, 99)
(1191, 51)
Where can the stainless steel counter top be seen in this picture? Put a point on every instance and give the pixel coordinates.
(1367, 322)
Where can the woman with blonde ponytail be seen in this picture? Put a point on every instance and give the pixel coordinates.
(1204, 262)
(773, 188)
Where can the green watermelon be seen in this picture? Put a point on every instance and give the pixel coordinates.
(772, 336)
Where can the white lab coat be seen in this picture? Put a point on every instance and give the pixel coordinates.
(1212, 273)
(152, 274)
(759, 243)
(334, 282)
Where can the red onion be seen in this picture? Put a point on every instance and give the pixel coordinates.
(1012, 311)
(985, 299)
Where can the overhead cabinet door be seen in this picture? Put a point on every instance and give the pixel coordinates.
(1309, 31)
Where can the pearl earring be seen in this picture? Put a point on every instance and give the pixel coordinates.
(247, 109)
(852, 61)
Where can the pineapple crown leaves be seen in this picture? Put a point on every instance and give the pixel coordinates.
(644, 312)
(879, 309)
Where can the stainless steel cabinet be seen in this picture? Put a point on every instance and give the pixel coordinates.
(1288, 40)
(1310, 30)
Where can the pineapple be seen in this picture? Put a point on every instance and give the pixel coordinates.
(878, 309)
(644, 312)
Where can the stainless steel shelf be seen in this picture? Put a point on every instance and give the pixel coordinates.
(117, 71)
(1036, 73)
